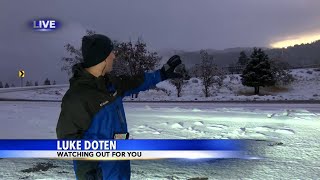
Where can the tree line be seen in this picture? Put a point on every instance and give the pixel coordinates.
(6, 85)
(29, 83)
(257, 70)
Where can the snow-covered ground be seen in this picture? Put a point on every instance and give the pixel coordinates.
(34, 93)
(305, 87)
(294, 130)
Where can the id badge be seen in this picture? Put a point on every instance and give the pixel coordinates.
(121, 136)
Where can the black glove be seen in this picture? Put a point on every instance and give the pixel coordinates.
(173, 69)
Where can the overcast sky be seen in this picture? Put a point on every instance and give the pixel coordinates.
(163, 24)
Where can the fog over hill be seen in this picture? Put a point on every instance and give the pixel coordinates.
(298, 55)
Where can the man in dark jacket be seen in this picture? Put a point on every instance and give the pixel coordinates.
(92, 108)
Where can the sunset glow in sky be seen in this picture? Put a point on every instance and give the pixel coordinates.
(307, 38)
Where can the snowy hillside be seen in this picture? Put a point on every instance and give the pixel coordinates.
(305, 87)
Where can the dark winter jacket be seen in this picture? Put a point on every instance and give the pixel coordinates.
(92, 109)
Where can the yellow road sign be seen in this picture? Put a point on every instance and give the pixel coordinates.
(21, 73)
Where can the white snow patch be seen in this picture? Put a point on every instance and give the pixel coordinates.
(198, 123)
(176, 125)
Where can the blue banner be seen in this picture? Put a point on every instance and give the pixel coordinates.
(125, 145)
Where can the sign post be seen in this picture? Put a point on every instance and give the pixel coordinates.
(21, 75)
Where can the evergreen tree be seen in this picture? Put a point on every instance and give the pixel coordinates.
(258, 71)
(281, 72)
(47, 82)
(28, 83)
(1, 85)
(54, 82)
(134, 58)
(7, 85)
(12, 85)
(36, 83)
(243, 59)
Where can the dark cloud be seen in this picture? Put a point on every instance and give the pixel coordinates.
(163, 24)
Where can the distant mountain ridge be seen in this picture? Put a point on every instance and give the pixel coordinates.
(298, 55)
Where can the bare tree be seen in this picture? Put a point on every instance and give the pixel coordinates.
(75, 55)
(208, 72)
(179, 84)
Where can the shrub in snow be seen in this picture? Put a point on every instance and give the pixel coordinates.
(229, 88)
(309, 72)
(195, 81)
(57, 92)
(232, 77)
(47, 82)
(163, 90)
(29, 83)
